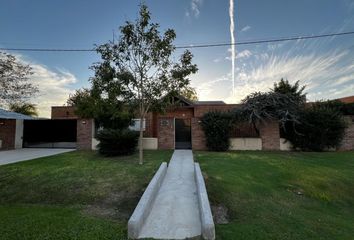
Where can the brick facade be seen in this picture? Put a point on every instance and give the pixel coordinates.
(269, 133)
(198, 137)
(63, 112)
(166, 133)
(348, 140)
(7, 133)
(84, 134)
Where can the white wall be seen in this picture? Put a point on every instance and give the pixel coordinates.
(19, 134)
(148, 143)
(245, 144)
(285, 145)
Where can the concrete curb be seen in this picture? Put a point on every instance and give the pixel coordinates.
(144, 206)
(208, 227)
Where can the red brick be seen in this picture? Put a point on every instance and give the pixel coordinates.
(166, 133)
(7, 133)
(84, 134)
(269, 133)
(63, 112)
(348, 140)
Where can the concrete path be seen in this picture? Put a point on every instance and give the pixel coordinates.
(24, 154)
(175, 212)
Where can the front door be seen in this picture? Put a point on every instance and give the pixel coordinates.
(183, 139)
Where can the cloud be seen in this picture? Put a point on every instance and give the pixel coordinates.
(246, 28)
(328, 73)
(244, 54)
(194, 9)
(54, 87)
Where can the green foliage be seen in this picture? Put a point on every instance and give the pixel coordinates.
(189, 93)
(24, 108)
(139, 67)
(260, 107)
(15, 82)
(107, 112)
(348, 109)
(216, 127)
(321, 126)
(297, 92)
(115, 142)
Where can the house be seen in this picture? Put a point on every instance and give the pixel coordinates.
(178, 128)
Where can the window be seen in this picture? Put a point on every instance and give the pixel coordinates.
(135, 126)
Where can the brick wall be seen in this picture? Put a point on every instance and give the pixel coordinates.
(269, 133)
(166, 133)
(63, 112)
(84, 134)
(348, 140)
(198, 137)
(7, 133)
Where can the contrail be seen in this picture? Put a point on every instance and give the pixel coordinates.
(233, 49)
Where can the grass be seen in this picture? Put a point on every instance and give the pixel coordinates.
(282, 195)
(76, 195)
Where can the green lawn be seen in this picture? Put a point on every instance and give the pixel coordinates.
(282, 195)
(80, 195)
(76, 195)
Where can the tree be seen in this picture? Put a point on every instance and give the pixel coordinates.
(14, 80)
(321, 127)
(259, 107)
(106, 108)
(139, 67)
(189, 93)
(24, 108)
(284, 87)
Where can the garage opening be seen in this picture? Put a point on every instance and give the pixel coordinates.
(49, 133)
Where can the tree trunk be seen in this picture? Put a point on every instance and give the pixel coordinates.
(141, 161)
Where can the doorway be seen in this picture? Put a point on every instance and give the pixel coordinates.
(183, 137)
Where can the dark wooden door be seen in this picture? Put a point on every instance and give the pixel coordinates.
(183, 138)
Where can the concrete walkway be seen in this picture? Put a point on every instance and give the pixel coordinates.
(175, 212)
(24, 154)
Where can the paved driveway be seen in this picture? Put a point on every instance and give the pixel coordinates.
(25, 154)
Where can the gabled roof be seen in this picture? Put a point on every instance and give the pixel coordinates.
(209, 103)
(4, 114)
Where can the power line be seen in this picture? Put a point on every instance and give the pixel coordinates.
(273, 40)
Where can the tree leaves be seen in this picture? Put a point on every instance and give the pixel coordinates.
(14, 80)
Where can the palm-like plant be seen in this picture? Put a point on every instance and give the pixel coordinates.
(24, 108)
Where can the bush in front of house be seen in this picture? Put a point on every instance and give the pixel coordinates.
(321, 126)
(216, 127)
(117, 142)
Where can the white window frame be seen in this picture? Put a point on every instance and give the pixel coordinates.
(135, 126)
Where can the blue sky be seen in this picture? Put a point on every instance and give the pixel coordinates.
(325, 65)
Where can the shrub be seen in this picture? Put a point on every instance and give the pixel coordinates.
(115, 142)
(321, 126)
(216, 126)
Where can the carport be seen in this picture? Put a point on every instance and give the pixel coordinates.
(50, 133)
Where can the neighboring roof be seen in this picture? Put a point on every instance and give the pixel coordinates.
(13, 115)
(347, 99)
(209, 103)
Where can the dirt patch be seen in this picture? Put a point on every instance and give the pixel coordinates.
(117, 206)
(220, 214)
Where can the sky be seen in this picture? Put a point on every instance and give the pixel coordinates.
(324, 65)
